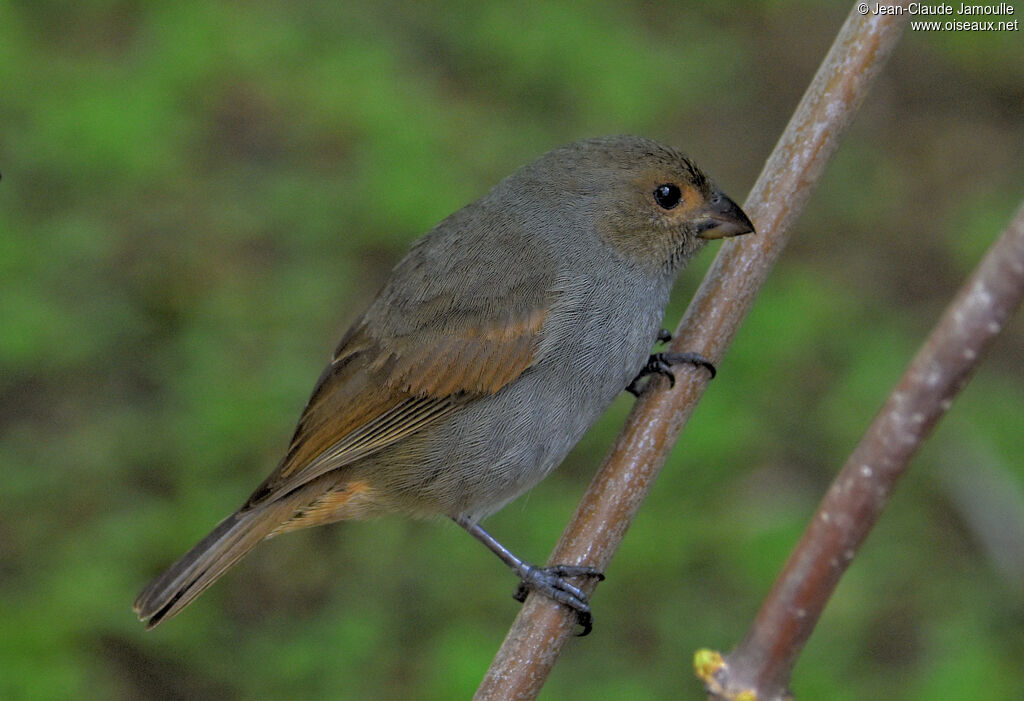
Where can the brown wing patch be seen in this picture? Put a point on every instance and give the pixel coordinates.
(471, 360)
(376, 392)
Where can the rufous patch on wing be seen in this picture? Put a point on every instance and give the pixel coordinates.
(471, 361)
(376, 391)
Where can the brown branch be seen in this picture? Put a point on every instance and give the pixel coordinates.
(764, 660)
(538, 634)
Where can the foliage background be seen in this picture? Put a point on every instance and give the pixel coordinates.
(198, 197)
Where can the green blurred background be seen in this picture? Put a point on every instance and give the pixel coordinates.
(197, 198)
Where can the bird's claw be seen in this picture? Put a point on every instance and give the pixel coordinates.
(693, 358)
(551, 582)
(661, 364)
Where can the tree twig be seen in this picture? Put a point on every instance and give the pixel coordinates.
(763, 662)
(542, 627)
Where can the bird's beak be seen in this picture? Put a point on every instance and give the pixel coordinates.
(722, 217)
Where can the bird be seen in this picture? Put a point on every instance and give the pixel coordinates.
(495, 343)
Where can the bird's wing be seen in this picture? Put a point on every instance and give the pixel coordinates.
(406, 364)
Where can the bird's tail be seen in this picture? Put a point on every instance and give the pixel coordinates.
(204, 564)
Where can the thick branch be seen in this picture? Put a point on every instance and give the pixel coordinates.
(764, 660)
(539, 632)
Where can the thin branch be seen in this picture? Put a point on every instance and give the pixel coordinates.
(764, 660)
(539, 633)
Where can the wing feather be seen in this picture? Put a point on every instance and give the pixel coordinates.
(413, 358)
(375, 393)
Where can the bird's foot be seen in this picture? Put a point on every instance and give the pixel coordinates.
(661, 364)
(551, 582)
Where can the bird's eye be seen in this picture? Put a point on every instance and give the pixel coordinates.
(667, 196)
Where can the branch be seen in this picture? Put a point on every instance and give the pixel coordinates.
(763, 662)
(542, 627)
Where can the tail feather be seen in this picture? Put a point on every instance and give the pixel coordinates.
(324, 500)
(204, 564)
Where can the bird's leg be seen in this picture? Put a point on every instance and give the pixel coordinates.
(549, 581)
(661, 364)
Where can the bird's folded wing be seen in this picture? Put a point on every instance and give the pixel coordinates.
(377, 391)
